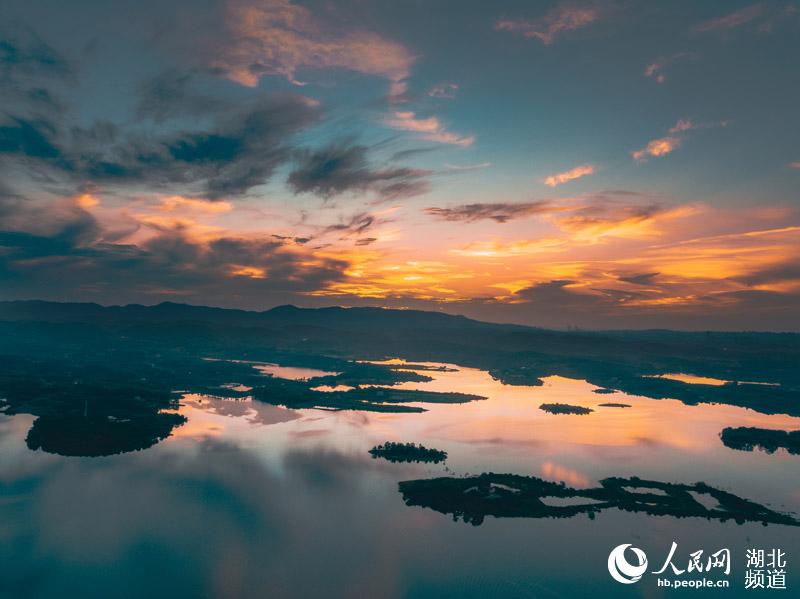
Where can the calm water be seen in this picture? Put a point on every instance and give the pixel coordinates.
(252, 500)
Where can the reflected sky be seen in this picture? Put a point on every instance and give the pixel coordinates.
(508, 433)
(248, 496)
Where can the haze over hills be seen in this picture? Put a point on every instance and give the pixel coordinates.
(332, 316)
(45, 311)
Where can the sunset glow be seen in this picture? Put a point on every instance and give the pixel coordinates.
(292, 159)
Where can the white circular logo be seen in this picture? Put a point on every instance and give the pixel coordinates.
(621, 569)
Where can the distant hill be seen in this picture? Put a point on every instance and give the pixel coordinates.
(43, 311)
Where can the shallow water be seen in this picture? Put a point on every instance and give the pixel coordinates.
(250, 499)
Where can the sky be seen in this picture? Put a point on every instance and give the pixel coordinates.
(591, 164)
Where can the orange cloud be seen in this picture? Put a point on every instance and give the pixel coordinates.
(431, 128)
(251, 272)
(595, 223)
(506, 249)
(173, 203)
(564, 17)
(727, 256)
(657, 147)
(664, 145)
(86, 201)
(655, 70)
(278, 37)
(570, 175)
(594, 253)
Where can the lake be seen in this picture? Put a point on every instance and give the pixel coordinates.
(249, 499)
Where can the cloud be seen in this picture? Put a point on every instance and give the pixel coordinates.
(239, 151)
(598, 221)
(787, 271)
(170, 94)
(732, 20)
(682, 125)
(174, 203)
(403, 154)
(357, 224)
(31, 72)
(551, 292)
(639, 279)
(657, 147)
(343, 167)
(509, 249)
(564, 17)
(585, 217)
(655, 69)
(765, 16)
(462, 168)
(24, 54)
(276, 37)
(569, 296)
(664, 145)
(431, 128)
(570, 175)
(70, 247)
(499, 212)
(28, 138)
(444, 90)
(795, 164)
(673, 140)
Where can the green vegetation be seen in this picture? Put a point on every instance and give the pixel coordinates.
(749, 438)
(473, 498)
(78, 436)
(563, 408)
(407, 452)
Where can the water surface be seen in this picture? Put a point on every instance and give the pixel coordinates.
(248, 499)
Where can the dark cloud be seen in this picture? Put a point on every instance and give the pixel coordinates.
(403, 154)
(366, 240)
(173, 93)
(29, 70)
(298, 240)
(646, 278)
(240, 152)
(559, 295)
(29, 138)
(500, 212)
(39, 245)
(556, 293)
(343, 167)
(23, 54)
(355, 225)
(603, 213)
(42, 99)
(779, 273)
